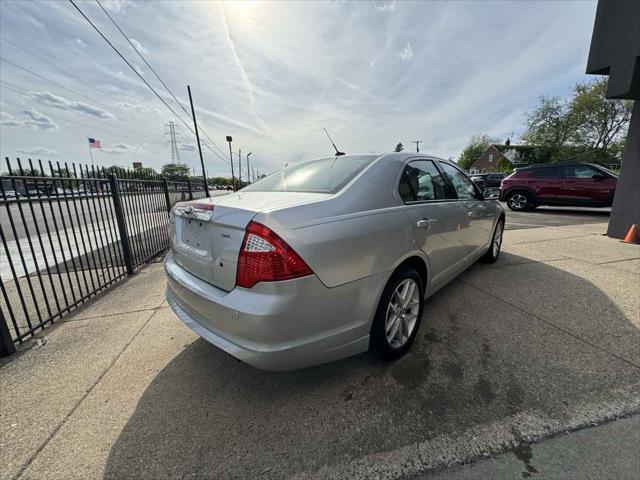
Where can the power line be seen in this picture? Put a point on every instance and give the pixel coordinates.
(69, 74)
(126, 37)
(139, 75)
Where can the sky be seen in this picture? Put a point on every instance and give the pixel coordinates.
(274, 74)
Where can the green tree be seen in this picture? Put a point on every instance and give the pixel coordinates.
(399, 147)
(550, 124)
(599, 121)
(146, 172)
(175, 171)
(220, 181)
(592, 125)
(476, 147)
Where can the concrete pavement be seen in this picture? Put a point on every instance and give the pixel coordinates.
(545, 341)
(607, 452)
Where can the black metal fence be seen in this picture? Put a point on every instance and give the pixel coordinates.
(70, 232)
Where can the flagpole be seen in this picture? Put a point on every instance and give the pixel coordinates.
(90, 154)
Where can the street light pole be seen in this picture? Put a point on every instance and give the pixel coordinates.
(195, 125)
(248, 169)
(239, 165)
(233, 175)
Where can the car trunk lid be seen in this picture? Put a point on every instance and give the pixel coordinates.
(207, 234)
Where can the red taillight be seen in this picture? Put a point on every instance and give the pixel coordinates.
(265, 257)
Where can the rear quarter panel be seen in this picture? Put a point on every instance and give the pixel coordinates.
(346, 249)
(359, 232)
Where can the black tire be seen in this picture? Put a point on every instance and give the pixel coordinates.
(379, 343)
(519, 201)
(492, 255)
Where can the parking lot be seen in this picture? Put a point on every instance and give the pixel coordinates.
(555, 217)
(543, 342)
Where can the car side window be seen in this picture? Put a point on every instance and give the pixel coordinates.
(420, 181)
(547, 172)
(462, 185)
(579, 171)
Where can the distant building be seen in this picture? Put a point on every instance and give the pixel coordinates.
(499, 158)
(504, 158)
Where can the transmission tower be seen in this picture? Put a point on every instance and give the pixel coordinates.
(171, 132)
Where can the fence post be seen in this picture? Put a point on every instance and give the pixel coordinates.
(6, 343)
(190, 189)
(122, 225)
(165, 183)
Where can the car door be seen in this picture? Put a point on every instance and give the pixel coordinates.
(586, 185)
(548, 184)
(478, 213)
(436, 218)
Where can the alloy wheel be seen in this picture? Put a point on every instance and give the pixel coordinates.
(518, 201)
(402, 313)
(497, 239)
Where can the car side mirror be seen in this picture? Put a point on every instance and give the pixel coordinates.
(597, 177)
(491, 193)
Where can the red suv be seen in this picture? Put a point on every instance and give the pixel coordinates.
(574, 184)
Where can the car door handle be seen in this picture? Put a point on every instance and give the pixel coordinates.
(426, 222)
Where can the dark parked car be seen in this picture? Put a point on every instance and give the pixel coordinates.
(570, 184)
(487, 180)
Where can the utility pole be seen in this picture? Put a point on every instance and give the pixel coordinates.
(233, 176)
(239, 165)
(175, 155)
(417, 142)
(248, 169)
(195, 124)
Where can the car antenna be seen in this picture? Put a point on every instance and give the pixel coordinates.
(338, 152)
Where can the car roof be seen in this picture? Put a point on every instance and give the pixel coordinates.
(559, 164)
(402, 156)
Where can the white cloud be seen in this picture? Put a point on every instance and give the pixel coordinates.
(116, 5)
(9, 120)
(33, 119)
(188, 147)
(81, 43)
(139, 46)
(385, 6)
(406, 53)
(121, 148)
(45, 152)
(51, 100)
(137, 107)
(38, 120)
(285, 70)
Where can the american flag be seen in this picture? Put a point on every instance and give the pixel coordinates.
(93, 143)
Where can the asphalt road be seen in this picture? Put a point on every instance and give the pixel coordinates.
(554, 217)
(73, 211)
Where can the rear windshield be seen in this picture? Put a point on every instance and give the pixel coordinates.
(327, 175)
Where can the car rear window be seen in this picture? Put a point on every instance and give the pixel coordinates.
(327, 175)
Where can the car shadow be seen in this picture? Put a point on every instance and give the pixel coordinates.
(477, 360)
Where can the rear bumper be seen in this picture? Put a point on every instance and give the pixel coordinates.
(279, 325)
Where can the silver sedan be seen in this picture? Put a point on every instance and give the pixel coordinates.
(327, 258)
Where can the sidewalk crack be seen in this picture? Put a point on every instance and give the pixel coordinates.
(82, 399)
